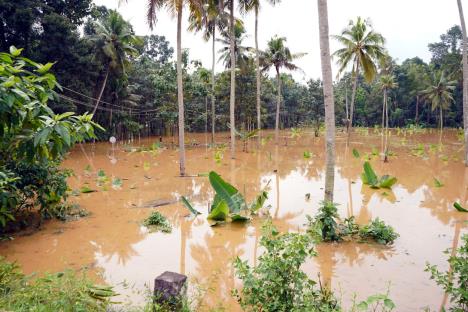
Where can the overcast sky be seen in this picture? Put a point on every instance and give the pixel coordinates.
(407, 25)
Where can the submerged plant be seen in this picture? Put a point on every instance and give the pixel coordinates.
(278, 283)
(156, 221)
(459, 207)
(455, 281)
(370, 178)
(378, 231)
(326, 220)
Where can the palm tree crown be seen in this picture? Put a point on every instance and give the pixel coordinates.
(440, 91)
(241, 52)
(362, 47)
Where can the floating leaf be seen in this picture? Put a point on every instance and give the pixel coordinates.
(437, 183)
(189, 206)
(85, 189)
(459, 207)
(356, 153)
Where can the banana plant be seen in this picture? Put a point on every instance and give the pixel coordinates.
(228, 203)
(245, 136)
(370, 178)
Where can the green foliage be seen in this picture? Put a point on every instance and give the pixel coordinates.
(326, 219)
(455, 281)
(307, 155)
(229, 202)
(370, 178)
(437, 183)
(277, 283)
(157, 222)
(459, 207)
(64, 291)
(189, 206)
(378, 302)
(356, 153)
(378, 231)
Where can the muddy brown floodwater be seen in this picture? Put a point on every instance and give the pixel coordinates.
(115, 247)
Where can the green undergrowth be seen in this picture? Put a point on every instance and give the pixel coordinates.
(157, 222)
(328, 226)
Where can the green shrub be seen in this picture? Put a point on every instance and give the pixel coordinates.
(327, 220)
(454, 282)
(65, 291)
(156, 221)
(277, 283)
(378, 231)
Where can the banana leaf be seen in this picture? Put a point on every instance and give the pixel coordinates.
(356, 153)
(387, 181)
(220, 212)
(189, 206)
(227, 193)
(259, 201)
(369, 176)
(239, 218)
(459, 207)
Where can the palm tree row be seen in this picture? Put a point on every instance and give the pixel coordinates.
(362, 50)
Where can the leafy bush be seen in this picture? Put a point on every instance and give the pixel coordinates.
(33, 139)
(369, 177)
(380, 232)
(277, 283)
(65, 291)
(326, 221)
(454, 282)
(156, 221)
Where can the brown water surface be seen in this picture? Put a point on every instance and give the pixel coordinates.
(113, 244)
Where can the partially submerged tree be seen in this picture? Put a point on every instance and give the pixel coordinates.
(278, 56)
(387, 83)
(363, 48)
(465, 77)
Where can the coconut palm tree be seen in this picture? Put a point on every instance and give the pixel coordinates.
(240, 51)
(439, 94)
(114, 41)
(214, 18)
(247, 6)
(387, 82)
(363, 48)
(278, 56)
(232, 97)
(328, 99)
(465, 78)
(175, 7)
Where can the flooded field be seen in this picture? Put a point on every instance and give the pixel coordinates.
(115, 247)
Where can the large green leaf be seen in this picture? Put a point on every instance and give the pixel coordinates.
(227, 193)
(387, 181)
(370, 176)
(220, 212)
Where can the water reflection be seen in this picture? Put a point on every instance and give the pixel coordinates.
(113, 242)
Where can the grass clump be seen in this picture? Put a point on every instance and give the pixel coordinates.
(277, 283)
(64, 291)
(157, 222)
(455, 281)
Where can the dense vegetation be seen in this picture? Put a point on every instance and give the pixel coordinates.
(140, 92)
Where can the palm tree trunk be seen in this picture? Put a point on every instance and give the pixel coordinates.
(416, 119)
(386, 127)
(328, 99)
(465, 78)
(213, 116)
(383, 112)
(278, 103)
(102, 90)
(180, 93)
(257, 64)
(232, 99)
(441, 119)
(353, 97)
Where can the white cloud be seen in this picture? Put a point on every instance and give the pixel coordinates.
(408, 26)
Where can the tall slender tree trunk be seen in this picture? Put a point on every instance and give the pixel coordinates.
(328, 99)
(257, 64)
(180, 93)
(465, 78)
(383, 112)
(213, 116)
(278, 105)
(102, 90)
(416, 118)
(386, 126)
(346, 103)
(232, 100)
(353, 97)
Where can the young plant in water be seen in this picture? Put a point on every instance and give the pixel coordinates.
(278, 283)
(370, 178)
(157, 222)
(378, 231)
(455, 281)
(325, 223)
(307, 155)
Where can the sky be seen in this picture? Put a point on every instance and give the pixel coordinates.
(407, 25)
